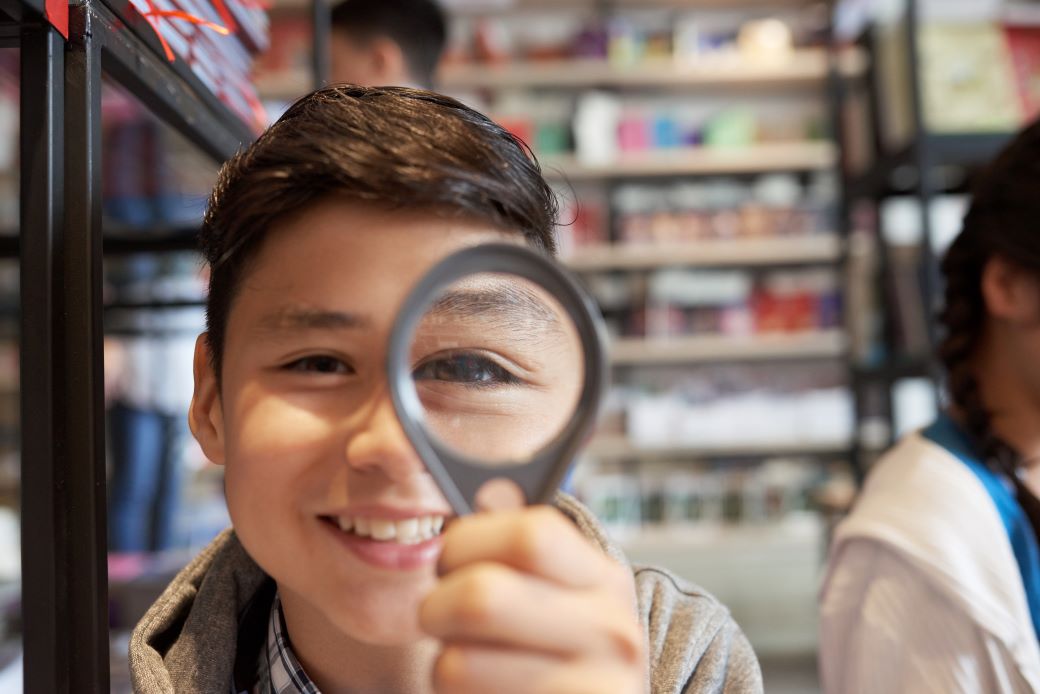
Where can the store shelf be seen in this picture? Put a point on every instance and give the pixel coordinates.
(715, 348)
(939, 150)
(899, 368)
(471, 8)
(820, 248)
(125, 241)
(699, 161)
(491, 7)
(805, 68)
(619, 447)
(798, 529)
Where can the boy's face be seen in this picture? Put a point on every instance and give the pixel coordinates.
(304, 422)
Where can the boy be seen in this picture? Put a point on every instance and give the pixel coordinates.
(344, 571)
(386, 42)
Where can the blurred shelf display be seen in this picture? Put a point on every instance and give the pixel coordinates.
(699, 161)
(813, 345)
(804, 67)
(619, 447)
(482, 7)
(733, 536)
(823, 248)
(462, 8)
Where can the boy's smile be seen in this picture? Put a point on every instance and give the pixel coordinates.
(325, 491)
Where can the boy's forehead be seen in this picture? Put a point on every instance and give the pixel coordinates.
(343, 256)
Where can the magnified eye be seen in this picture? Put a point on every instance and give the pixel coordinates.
(466, 369)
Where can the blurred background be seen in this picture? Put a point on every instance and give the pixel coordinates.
(755, 192)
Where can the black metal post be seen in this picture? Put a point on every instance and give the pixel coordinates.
(47, 604)
(64, 572)
(321, 15)
(837, 92)
(923, 161)
(82, 347)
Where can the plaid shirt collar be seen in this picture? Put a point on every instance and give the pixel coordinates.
(279, 671)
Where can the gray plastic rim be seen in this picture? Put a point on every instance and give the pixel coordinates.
(459, 476)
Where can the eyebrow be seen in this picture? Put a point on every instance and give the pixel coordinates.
(296, 318)
(509, 306)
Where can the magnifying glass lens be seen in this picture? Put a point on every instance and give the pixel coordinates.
(498, 366)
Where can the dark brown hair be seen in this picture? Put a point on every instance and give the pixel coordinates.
(1003, 220)
(416, 26)
(392, 146)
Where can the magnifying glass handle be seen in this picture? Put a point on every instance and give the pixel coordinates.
(500, 494)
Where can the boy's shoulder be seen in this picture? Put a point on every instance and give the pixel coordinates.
(695, 645)
(190, 639)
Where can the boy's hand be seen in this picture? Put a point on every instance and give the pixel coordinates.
(526, 604)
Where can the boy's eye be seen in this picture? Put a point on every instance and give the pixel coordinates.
(319, 364)
(465, 369)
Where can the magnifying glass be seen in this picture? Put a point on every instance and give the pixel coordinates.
(496, 369)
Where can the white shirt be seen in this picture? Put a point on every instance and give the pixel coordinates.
(923, 593)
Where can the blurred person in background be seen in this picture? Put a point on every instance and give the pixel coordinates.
(386, 42)
(934, 579)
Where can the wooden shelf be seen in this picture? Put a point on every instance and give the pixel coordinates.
(715, 348)
(699, 161)
(619, 447)
(805, 68)
(800, 528)
(822, 248)
(477, 8)
(466, 8)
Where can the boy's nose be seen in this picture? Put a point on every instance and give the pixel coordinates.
(379, 442)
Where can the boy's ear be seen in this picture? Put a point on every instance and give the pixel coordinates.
(206, 416)
(1011, 293)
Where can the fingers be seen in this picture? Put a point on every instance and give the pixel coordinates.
(480, 669)
(495, 605)
(540, 541)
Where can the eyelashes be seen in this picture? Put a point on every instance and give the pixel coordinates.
(467, 369)
(319, 364)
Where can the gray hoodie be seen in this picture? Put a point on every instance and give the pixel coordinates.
(209, 625)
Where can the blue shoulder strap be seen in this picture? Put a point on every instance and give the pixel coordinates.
(948, 434)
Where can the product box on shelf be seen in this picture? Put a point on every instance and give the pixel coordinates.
(222, 61)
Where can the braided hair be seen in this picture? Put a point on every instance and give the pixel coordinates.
(1003, 220)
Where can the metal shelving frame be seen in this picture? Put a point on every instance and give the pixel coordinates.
(63, 485)
(922, 158)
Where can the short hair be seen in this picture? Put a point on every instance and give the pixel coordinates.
(395, 146)
(417, 26)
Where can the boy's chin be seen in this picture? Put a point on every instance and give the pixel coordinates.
(385, 631)
(389, 619)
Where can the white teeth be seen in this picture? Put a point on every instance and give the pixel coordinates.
(383, 529)
(408, 531)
